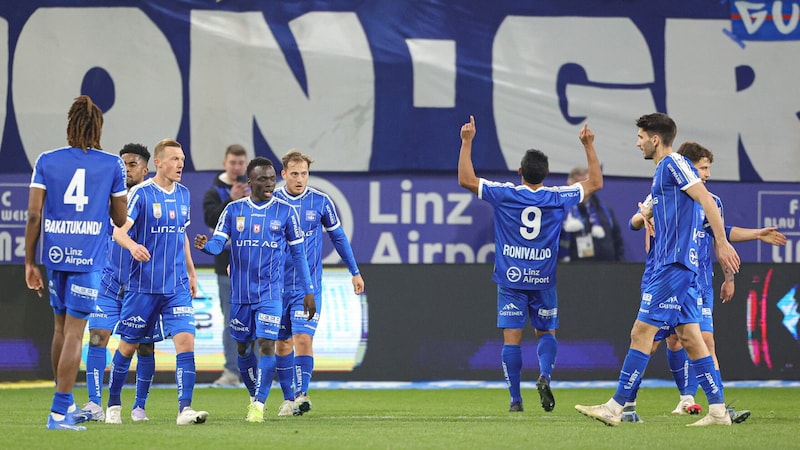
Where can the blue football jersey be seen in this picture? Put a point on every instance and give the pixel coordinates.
(527, 227)
(675, 214)
(260, 236)
(117, 268)
(317, 214)
(160, 218)
(705, 274)
(75, 217)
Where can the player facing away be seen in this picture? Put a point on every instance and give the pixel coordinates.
(294, 349)
(261, 228)
(671, 296)
(73, 220)
(103, 320)
(685, 380)
(527, 225)
(162, 286)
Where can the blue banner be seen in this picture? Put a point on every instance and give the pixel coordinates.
(773, 20)
(428, 218)
(383, 86)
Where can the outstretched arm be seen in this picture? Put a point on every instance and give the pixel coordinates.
(769, 235)
(466, 171)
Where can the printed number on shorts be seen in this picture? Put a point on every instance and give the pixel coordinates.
(75, 193)
(532, 219)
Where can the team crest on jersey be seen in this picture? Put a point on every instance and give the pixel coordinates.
(184, 210)
(172, 214)
(256, 228)
(311, 215)
(274, 225)
(157, 210)
(240, 223)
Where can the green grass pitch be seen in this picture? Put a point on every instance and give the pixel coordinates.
(406, 419)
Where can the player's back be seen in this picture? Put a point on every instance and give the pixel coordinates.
(527, 230)
(76, 213)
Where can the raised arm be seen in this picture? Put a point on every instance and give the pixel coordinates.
(595, 180)
(466, 172)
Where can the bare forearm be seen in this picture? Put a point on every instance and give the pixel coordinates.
(466, 171)
(32, 232)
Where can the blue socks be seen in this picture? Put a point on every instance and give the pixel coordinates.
(185, 377)
(96, 360)
(145, 369)
(61, 403)
(266, 372)
(630, 375)
(284, 365)
(682, 371)
(248, 368)
(547, 349)
(709, 380)
(511, 357)
(303, 366)
(119, 371)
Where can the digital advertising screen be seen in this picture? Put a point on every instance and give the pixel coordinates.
(339, 343)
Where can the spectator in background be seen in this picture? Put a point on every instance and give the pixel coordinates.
(228, 186)
(590, 232)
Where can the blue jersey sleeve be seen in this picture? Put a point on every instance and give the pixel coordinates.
(342, 246)
(215, 245)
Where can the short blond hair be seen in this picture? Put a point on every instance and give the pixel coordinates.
(294, 155)
(162, 144)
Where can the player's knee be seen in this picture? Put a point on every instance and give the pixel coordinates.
(266, 347)
(243, 349)
(145, 349)
(98, 338)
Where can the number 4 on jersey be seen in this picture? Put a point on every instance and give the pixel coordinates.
(75, 193)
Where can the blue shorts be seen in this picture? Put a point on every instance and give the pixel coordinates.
(707, 312)
(664, 332)
(73, 293)
(107, 311)
(514, 306)
(671, 297)
(142, 314)
(293, 319)
(255, 320)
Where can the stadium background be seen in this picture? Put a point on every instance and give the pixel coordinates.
(377, 91)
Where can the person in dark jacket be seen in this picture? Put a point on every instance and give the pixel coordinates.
(590, 232)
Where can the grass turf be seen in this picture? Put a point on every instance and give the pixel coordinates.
(400, 419)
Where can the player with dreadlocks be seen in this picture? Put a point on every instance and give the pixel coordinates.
(73, 219)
